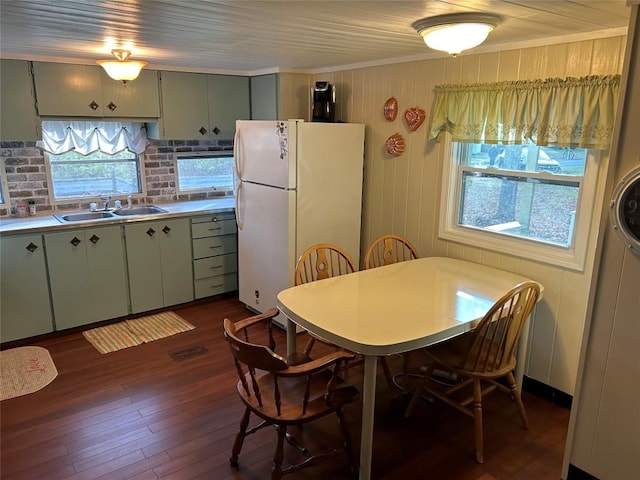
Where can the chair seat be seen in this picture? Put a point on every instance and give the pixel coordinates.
(452, 353)
(291, 412)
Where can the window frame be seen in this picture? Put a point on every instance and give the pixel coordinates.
(71, 200)
(205, 154)
(572, 257)
(5, 202)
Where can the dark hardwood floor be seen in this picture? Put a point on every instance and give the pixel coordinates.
(139, 414)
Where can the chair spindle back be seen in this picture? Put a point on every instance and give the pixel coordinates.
(388, 249)
(494, 341)
(321, 261)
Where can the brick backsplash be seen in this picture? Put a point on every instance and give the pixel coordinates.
(26, 174)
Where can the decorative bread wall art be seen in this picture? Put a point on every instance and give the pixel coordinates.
(391, 109)
(415, 117)
(395, 144)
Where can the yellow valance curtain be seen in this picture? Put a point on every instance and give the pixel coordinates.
(570, 112)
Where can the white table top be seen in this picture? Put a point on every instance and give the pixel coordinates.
(399, 307)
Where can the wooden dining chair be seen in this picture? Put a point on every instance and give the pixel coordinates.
(388, 249)
(385, 250)
(479, 358)
(325, 260)
(283, 395)
(320, 261)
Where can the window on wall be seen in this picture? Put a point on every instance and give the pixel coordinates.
(523, 200)
(98, 174)
(88, 160)
(200, 172)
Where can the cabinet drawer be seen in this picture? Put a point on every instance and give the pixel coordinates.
(213, 228)
(211, 246)
(213, 266)
(216, 285)
(213, 217)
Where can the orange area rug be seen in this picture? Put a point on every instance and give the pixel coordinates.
(130, 333)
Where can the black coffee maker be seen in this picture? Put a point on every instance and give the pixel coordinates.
(323, 102)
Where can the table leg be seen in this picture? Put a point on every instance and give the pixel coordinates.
(521, 354)
(368, 410)
(291, 337)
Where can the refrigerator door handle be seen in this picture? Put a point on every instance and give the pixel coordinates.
(239, 221)
(236, 154)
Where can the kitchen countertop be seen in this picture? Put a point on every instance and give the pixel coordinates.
(48, 223)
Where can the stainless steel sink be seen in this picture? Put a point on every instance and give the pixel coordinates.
(140, 210)
(83, 216)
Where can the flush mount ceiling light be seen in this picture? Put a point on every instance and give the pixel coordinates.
(122, 69)
(456, 32)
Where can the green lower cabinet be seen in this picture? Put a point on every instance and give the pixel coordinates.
(159, 263)
(215, 257)
(87, 274)
(25, 307)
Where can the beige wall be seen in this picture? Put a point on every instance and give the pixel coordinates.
(295, 95)
(402, 194)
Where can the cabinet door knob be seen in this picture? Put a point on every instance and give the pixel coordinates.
(75, 241)
(202, 130)
(32, 247)
(215, 219)
(112, 106)
(93, 106)
(166, 229)
(216, 130)
(150, 232)
(94, 239)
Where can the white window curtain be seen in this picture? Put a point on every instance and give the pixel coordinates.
(88, 137)
(570, 112)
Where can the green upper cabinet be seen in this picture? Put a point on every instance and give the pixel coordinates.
(185, 113)
(228, 97)
(264, 97)
(199, 106)
(139, 98)
(18, 120)
(87, 91)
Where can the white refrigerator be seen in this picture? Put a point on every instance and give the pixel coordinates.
(299, 183)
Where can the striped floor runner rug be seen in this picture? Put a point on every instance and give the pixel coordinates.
(130, 333)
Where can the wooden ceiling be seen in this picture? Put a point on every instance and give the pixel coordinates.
(250, 37)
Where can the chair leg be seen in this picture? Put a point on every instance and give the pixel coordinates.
(276, 470)
(242, 432)
(347, 441)
(517, 399)
(309, 346)
(387, 372)
(422, 383)
(477, 419)
(405, 371)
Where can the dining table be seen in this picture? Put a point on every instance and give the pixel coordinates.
(395, 309)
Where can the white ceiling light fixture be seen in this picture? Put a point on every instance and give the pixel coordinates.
(456, 32)
(122, 69)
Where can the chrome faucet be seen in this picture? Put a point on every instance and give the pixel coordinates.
(105, 205)
(128, 201)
